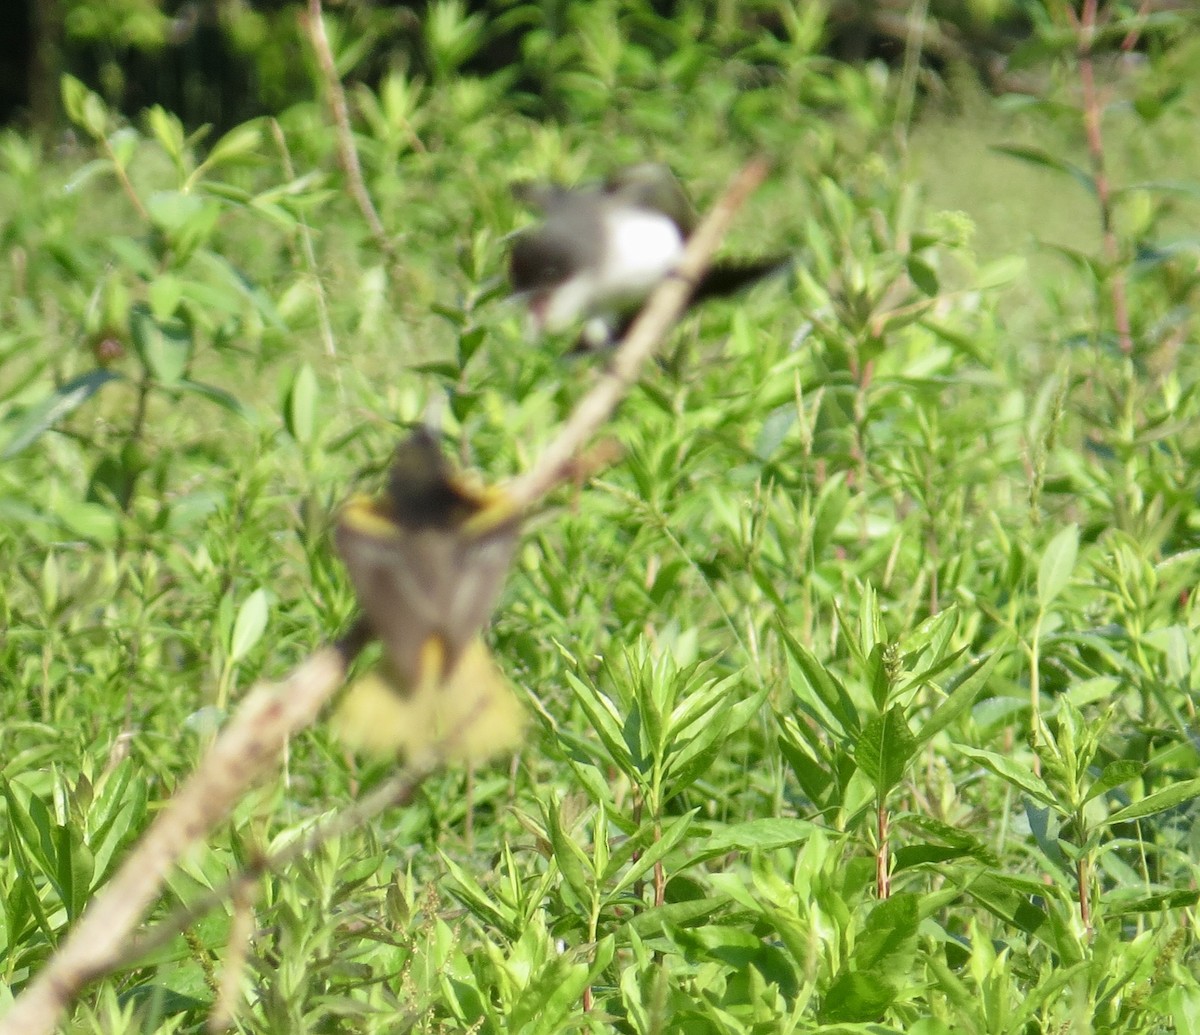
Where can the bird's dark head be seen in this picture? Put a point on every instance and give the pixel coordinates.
(543, 258)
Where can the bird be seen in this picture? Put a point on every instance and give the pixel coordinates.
(601, 250)
(427, 561)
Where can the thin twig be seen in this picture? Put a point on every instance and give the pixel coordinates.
(1131, 37)
(123, 179)
(398, 790)
(347, 152)
(308, 252)
(661, 311)
(229, 991)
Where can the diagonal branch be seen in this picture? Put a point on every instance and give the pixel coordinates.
(255, 736)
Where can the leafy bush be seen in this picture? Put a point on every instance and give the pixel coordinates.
(861, 686)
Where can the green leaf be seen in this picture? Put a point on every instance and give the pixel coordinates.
(1179, 898)
(172, 209)
(29, 827)
(487, 909)
(922, 275)
(606, 722)
(670, 836)
(239, 142)
(1057, 564)
(84, 108)
(250, 624)
(837, 703)
(75, 870)
(967, 685)
(691, 756)
(165, 347)
(1159, 801)
(1046, 160)
(216, 395)
(574, 865)
(814, 778)
(884, 749)
(856, 997)
(167, 130)
(1018, 775)
(1114, 774)
(164, 294)
(908, 856)
(888, 940)
(62, 402)
(755, 835)
(94, 522)
(302, 404)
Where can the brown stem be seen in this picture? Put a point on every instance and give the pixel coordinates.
(1092, 111)
(124, 180)
(660, 873)
(1131, 37)
(347, 152)
(883, 874)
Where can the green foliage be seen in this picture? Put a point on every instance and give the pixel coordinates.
(862, 684)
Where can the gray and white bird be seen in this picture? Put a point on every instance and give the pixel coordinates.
(601, 250)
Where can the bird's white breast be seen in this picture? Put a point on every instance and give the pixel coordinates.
(643, 246)
(640, 246)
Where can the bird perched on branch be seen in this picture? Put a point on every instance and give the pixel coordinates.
(601, 250)
(428, 560)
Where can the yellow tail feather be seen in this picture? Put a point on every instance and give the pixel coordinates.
(469, 717)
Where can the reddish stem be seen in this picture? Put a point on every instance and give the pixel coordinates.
(883, 875)
(1086, 27)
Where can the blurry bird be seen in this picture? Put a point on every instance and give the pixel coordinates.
(428, 560)
(601, 250)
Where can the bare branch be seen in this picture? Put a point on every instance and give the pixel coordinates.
(347, 153)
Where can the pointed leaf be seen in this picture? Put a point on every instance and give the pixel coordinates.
(165, 347)
(1114, 774)
(1159, 801)
(967, 685)
(887, 943)
(1013, 772)
(250, 624)
(62, 402)
(1047, 160)
(837, 703)
(1057, 564)
(301, 409)
(671, 835)
(884, 749)
(574, 865)
(603, 718)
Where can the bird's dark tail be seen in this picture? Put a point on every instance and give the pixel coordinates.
(725, 278)
(721, 280)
